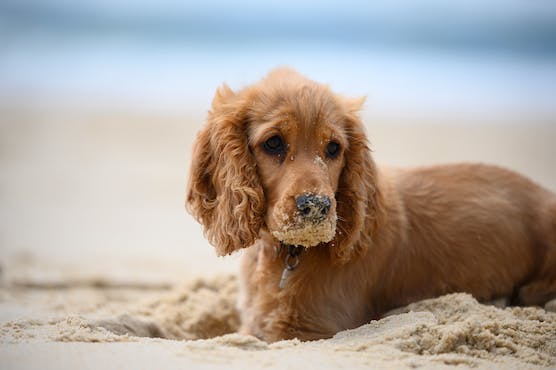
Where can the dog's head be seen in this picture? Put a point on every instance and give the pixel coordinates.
(288, 156)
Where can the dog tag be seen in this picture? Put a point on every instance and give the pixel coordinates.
(284, 276)
(291, 261)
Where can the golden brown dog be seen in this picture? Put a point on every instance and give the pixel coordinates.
(286, 163)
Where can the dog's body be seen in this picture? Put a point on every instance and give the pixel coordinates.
(489, 241)
(286, 162)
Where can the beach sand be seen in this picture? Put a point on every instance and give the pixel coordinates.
(102, 268)
(194, 324)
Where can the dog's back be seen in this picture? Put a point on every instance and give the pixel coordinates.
(473, 228)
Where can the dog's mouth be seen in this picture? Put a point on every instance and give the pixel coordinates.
(308, 233)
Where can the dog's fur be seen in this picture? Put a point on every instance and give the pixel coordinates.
(399, 235)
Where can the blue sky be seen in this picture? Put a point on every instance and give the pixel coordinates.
(456, 56)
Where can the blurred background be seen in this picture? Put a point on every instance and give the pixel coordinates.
(100, 102)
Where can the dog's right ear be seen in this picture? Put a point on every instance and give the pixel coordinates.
(224, 192)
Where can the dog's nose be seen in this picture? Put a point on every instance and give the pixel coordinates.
(313, 207)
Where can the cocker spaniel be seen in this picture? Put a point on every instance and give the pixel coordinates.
(283, 168)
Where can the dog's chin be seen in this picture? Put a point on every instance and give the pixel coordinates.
(308, 234)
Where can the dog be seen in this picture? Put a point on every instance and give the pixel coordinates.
(283, 168)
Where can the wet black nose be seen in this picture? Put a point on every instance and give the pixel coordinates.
(313, 207)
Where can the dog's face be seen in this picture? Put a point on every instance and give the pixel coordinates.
(285, 155)
(299, 154)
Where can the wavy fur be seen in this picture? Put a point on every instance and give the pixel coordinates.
(224, 192)
(400, 235)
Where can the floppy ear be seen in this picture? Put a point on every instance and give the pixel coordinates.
(224, 192)
(358, 199)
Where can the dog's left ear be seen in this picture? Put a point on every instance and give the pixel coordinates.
(224, 192)
(358, 199)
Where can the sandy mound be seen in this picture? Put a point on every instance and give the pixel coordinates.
(457, 324)
(450, 330)
(204, 308)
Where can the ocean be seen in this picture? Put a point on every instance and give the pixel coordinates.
(462, 58)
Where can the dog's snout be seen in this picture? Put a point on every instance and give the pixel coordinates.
(313, 207)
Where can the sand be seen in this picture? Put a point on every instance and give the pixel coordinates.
(197, 322)
(101, 267)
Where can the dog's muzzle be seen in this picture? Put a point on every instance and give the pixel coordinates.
(313, 223)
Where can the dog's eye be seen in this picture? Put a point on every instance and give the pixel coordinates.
(332, 149)
(274, 145)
